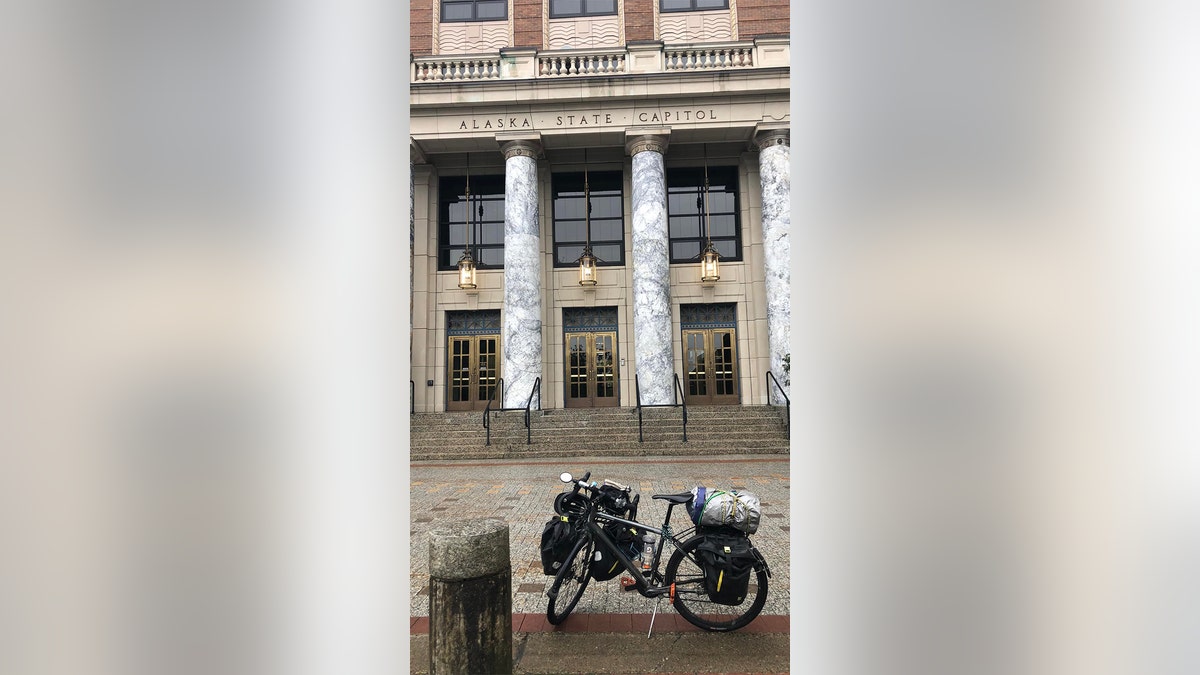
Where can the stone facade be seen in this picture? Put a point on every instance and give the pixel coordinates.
(633, 116)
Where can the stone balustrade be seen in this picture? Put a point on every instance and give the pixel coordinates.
(456, 69)
(638, 58)
(577, 62)
(710, 57)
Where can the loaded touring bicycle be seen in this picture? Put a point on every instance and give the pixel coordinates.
(715, 577)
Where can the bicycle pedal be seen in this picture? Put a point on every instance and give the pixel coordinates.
(628, 584)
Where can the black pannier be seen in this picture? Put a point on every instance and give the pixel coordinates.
(728, 562)
(605, 566)
(558, 538)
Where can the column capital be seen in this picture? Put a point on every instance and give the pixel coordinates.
(422, 172)
(520, 144)
(415, 154)
(767, 134)
(640, 139)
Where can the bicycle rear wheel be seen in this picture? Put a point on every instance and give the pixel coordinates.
(691, 598)
(574, 581)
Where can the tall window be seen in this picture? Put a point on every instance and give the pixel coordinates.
(560, 9)
(487, 231)
(693, 5)
(474, 10)
(685, 212)
(607, 218)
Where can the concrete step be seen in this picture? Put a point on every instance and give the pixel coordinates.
(522, 451)
(608, 435)
(583, 413)
(604, 431)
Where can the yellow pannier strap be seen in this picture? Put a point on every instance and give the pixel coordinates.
(722, 576)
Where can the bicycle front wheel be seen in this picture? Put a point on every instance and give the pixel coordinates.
(574, 581)
(691, 598)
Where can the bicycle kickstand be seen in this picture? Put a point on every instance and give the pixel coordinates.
(652, 615)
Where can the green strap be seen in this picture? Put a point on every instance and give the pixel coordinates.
(708, 499)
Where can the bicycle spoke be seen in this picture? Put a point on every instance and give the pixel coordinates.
(691, 595)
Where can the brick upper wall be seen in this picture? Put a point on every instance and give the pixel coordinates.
(639, 20)
(755, 17)
(420, 31)
(527, 23)
(762, 17)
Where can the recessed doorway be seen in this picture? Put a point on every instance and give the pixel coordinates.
(473, 359)
(710, 354)
(590, 357)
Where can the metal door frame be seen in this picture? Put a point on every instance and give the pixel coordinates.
(708, 337)
(592, 400)
(474, 400)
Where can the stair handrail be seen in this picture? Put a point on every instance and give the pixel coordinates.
(412, 397)
(771, 378)
(677, 393)
(680, 397)
(487, 411)
(537, 389)
(637, 390)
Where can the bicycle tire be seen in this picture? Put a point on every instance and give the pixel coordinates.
(691, 599)
(572, 586)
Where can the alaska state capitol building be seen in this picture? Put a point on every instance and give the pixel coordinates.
(600, 192)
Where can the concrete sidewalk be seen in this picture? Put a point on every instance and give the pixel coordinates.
(521, 492)
(607, 631)
(562, 653)
(637, 624)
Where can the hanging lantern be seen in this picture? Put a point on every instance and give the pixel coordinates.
(710, 264)
(710, 260)
(587, 268)
(466, 264)
(466, 271)
(588, 274)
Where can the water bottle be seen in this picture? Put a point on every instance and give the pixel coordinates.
(647, 552)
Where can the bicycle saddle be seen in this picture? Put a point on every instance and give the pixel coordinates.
(681, 498)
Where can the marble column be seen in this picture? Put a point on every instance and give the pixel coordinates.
(651, 270)
(773, 170)
(522, 346)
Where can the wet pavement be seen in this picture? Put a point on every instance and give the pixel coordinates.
(741, 652)
(522, 494)
(607, 633)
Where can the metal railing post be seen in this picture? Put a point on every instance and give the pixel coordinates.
(680, 397)
(537, 389)
(487, 411)
(787, 423)
(637, 388)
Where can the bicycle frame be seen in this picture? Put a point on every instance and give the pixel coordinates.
(593, 516)
(598, 535)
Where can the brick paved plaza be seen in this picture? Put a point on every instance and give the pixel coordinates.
(522, 494)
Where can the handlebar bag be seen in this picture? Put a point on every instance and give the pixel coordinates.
(719, 508)
(618, 502)
(728, 562)
(605, 565)
(558, 538)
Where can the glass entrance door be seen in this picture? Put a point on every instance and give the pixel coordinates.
(710, 365)
(591, 373)
(474, 371)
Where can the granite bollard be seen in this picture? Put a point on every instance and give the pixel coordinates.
(470, 598)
